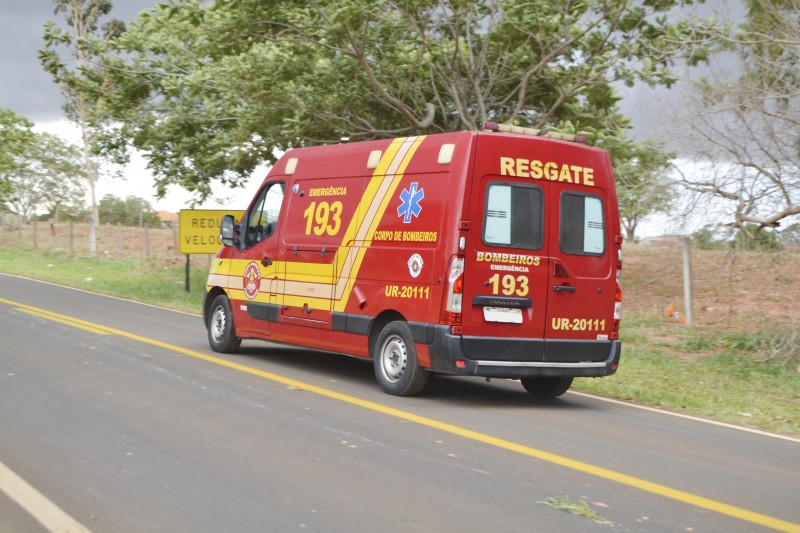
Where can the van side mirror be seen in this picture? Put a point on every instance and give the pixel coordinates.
(227, 231)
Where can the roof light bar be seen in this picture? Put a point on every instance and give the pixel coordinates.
(507, 128)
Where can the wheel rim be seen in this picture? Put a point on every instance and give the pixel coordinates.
(394, 358)
(218, 321)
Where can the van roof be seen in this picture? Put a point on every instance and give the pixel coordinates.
(361, 158)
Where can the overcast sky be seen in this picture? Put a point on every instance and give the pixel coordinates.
(25, 87)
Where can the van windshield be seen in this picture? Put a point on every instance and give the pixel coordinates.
(513, 216)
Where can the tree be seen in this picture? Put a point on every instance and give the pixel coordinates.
(790, 236)
(755, 237)
(644, 186)
(15, 137)
(744, 142)
(79, 78)
(209, 90)
(711, 236)
(49, 175)
(132, 211)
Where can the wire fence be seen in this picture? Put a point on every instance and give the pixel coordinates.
(112, 241)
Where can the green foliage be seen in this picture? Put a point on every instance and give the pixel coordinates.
(790, 236)
(209, 90)
(753, 237)
(641, 170)
(15, 138)
(82, 43)
(698, 341)
(778, 346)
(131, 211)
(48, 176)
(579, 508)
(710, 237)
(72, 56)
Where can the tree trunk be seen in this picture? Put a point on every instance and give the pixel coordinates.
(630, 229)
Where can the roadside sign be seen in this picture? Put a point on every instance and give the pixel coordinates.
(198, 231)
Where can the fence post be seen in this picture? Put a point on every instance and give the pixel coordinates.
(687, 278)
(118, 242)
(174, 226)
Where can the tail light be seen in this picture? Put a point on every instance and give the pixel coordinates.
(451, 314)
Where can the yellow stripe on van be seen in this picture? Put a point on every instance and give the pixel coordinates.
(347, 278)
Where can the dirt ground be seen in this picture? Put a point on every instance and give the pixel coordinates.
(732, 292)
(112, 242)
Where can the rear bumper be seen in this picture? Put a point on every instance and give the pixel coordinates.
(516, 358)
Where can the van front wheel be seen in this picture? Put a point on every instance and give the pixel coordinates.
(546, 387)
(395, 359)
(221, 333)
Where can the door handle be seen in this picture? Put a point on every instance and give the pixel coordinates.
(266, 261)
(564, 288)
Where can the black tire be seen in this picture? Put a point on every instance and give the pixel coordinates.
(394, 357)
(546, 387)
(221, 333)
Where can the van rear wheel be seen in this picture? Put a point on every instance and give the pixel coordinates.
(546, 387)
(395, 360)
(221, 333)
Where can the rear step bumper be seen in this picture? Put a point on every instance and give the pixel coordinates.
(501, 357)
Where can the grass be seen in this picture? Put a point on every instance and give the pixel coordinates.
(139, 280)
(748, 378)
(579, 508)
(708, 374)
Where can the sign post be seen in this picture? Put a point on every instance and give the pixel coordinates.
(198, 232)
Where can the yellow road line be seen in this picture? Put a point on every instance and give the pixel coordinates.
(611, 475)
(62, 320)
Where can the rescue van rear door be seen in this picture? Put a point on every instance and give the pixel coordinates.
(505, 273)
(580, 222)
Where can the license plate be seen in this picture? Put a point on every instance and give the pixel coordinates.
(502, 314)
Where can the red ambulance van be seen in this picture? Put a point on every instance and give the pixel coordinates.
(478, 253)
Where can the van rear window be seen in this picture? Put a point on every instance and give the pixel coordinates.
(582, 224)
(513, 216)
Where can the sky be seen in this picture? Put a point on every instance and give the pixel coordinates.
(29, 91)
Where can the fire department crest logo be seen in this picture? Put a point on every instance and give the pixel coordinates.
(252, 280)
(415, 265)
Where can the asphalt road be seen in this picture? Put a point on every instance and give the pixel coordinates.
(120, 415)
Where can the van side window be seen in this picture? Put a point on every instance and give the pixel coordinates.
(262, 219)
(513, 216)
(582, 224)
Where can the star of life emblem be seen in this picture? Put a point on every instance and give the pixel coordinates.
(410, 199)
